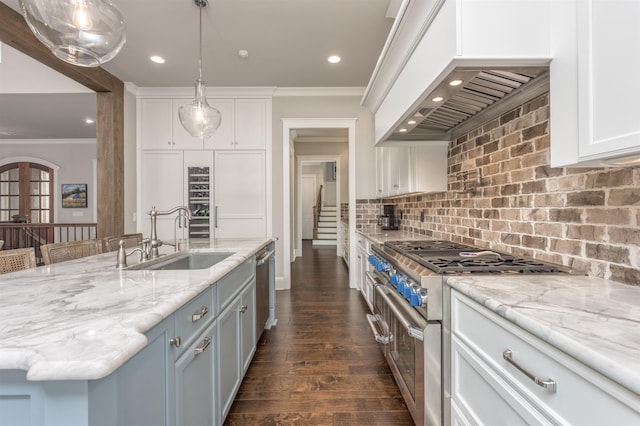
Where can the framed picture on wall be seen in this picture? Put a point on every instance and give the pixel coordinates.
(74, 195)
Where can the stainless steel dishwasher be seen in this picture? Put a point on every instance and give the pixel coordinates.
(264, 268)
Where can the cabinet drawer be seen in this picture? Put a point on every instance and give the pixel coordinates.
(480, 396)
(489, 336)
(230, 285)
(193, 317)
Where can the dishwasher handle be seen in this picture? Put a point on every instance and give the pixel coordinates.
(265, 257)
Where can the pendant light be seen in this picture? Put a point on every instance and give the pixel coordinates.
(87, 33)
(199, 118)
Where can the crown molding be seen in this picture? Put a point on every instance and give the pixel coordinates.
(319, 91)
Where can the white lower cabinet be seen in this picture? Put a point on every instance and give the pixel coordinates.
(488, 389)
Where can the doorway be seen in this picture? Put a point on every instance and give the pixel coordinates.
(291, 126)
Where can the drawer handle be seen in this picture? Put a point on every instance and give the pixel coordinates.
(198, 316)
(176, 341)
(548, 384)
(206, 342)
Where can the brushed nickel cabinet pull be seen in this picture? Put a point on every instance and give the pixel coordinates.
(243, 309)
(198, 316)
(176, 341)
(548, 384)
(206, 342)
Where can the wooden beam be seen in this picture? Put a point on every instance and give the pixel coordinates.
(15, 32)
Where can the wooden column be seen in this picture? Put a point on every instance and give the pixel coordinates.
(109, 118)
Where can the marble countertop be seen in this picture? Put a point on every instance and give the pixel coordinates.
(593, 320)
(82, 319)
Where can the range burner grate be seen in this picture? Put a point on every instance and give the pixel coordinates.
(456, 265)
(427, 246)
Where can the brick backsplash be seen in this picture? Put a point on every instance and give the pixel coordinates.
(588, 219)
(367, 212)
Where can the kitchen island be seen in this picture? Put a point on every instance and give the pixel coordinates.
(74, 335)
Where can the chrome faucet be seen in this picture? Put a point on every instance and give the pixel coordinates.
(154, 242)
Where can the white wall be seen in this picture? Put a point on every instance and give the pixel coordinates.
(20, 73)
(76, 161)
(320, 107)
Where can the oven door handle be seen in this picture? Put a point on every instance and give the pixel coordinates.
(413, 331)
(372, 319)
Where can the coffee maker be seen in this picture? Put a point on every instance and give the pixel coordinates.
(388, 218)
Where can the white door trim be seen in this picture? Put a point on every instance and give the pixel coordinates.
(289, 124)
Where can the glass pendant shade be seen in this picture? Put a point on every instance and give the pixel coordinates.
(199, 118)
(87, 33)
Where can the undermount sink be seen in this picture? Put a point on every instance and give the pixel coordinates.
(183, 261)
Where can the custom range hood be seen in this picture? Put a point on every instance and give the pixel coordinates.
(466, 98)
(496, 52)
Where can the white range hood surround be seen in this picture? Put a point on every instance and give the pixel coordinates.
(434, 40)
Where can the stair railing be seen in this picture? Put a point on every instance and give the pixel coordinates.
(316, 213)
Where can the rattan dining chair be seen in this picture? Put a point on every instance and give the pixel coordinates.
(17, 260)
(61, 252)
(112, 243)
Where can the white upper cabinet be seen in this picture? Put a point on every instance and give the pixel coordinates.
(411, 169)
(594, 84)
(244, 124)
(161, 128)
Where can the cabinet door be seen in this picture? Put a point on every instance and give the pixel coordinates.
(380, 173)
(195, 402)
(248, 324)
(155, 124)
(224, 137)
(181, 138)
(228, 356)
(429, 167)
(240, 194)
(161, 186)
(608, 60)
(396, 163)
(251, 123)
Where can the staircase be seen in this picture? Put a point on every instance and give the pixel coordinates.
(327, 227)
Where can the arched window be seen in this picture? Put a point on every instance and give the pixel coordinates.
(26, 193)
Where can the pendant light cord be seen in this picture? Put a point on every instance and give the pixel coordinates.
(200, 38)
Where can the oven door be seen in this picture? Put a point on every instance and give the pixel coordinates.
(405, 347)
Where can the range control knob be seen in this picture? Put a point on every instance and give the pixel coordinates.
(402, 282)
(419, 298)
(394, 279)
(410, 289)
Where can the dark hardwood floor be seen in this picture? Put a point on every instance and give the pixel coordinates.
(320, 365)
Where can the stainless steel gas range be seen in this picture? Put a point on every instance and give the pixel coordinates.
(408, 311)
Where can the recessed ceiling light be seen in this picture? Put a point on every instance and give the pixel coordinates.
(157, 59)
(403, 130)
(455, 82)
(89, 120)
(243, 54)
(438, 99)
(334, 59)
(411, 122)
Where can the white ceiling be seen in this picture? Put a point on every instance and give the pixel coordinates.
(288, 43)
